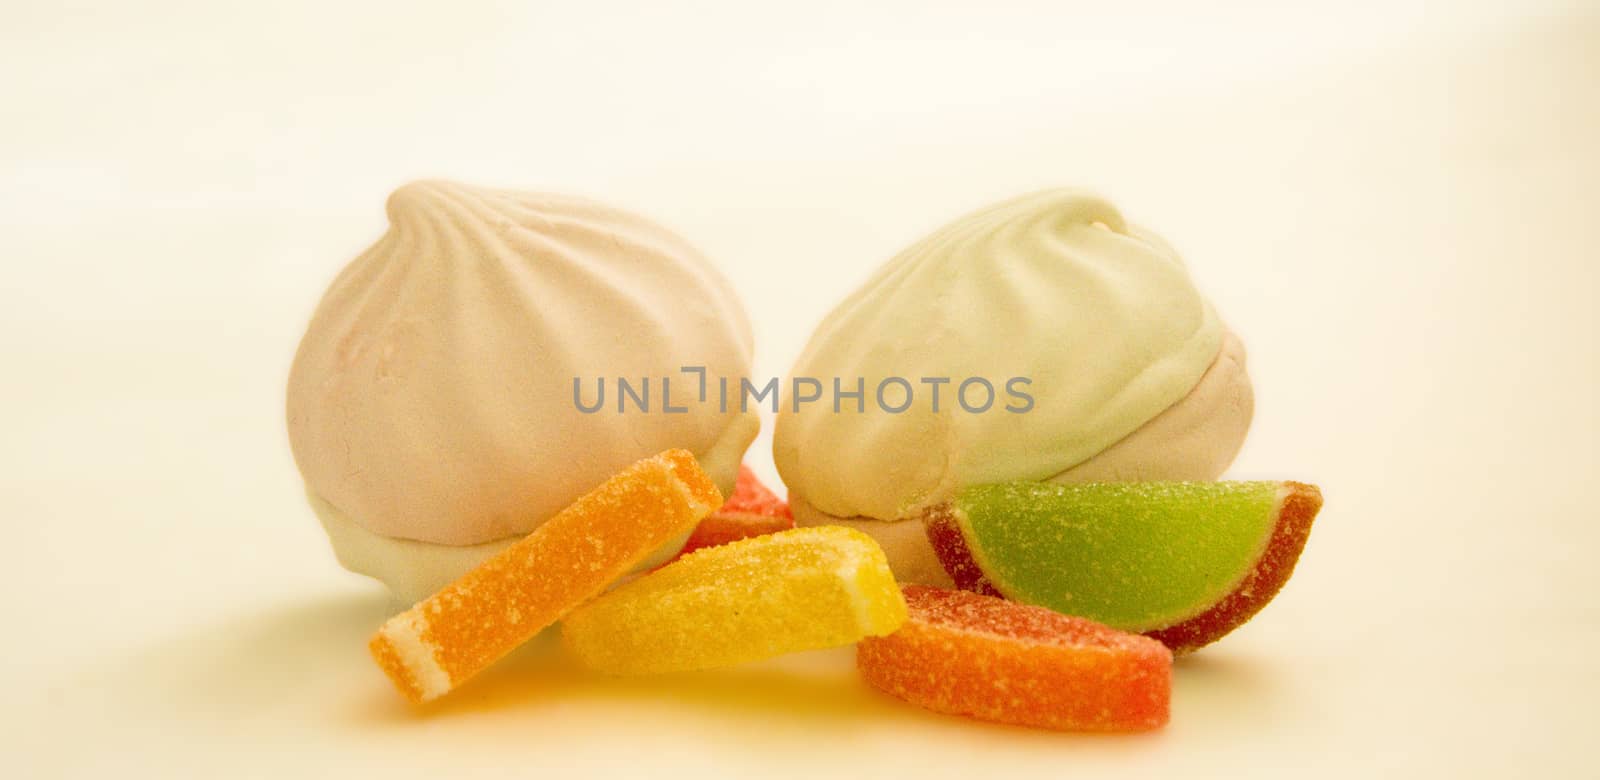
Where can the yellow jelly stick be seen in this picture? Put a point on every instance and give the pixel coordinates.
(804, 589)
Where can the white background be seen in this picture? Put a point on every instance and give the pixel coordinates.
(1394, 203)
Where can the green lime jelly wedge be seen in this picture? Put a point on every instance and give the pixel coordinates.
(1136, 556)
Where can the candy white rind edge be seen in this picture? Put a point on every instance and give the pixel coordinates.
(697, 507)
(420, 657)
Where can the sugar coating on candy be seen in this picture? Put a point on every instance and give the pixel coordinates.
(1184, 561)
(752, 510)
(803, 589)
(445, 639)
(964, 653)
(1298, 506)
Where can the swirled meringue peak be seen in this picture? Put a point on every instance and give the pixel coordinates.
(432, 398)
(1085, 327)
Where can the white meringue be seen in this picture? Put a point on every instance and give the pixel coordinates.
(431, 404)
(1194, 439)
(1055, 287)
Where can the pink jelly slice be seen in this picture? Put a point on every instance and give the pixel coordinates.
(968, 654)
(752, 510)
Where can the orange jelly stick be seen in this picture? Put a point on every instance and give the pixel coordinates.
(444, 640)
